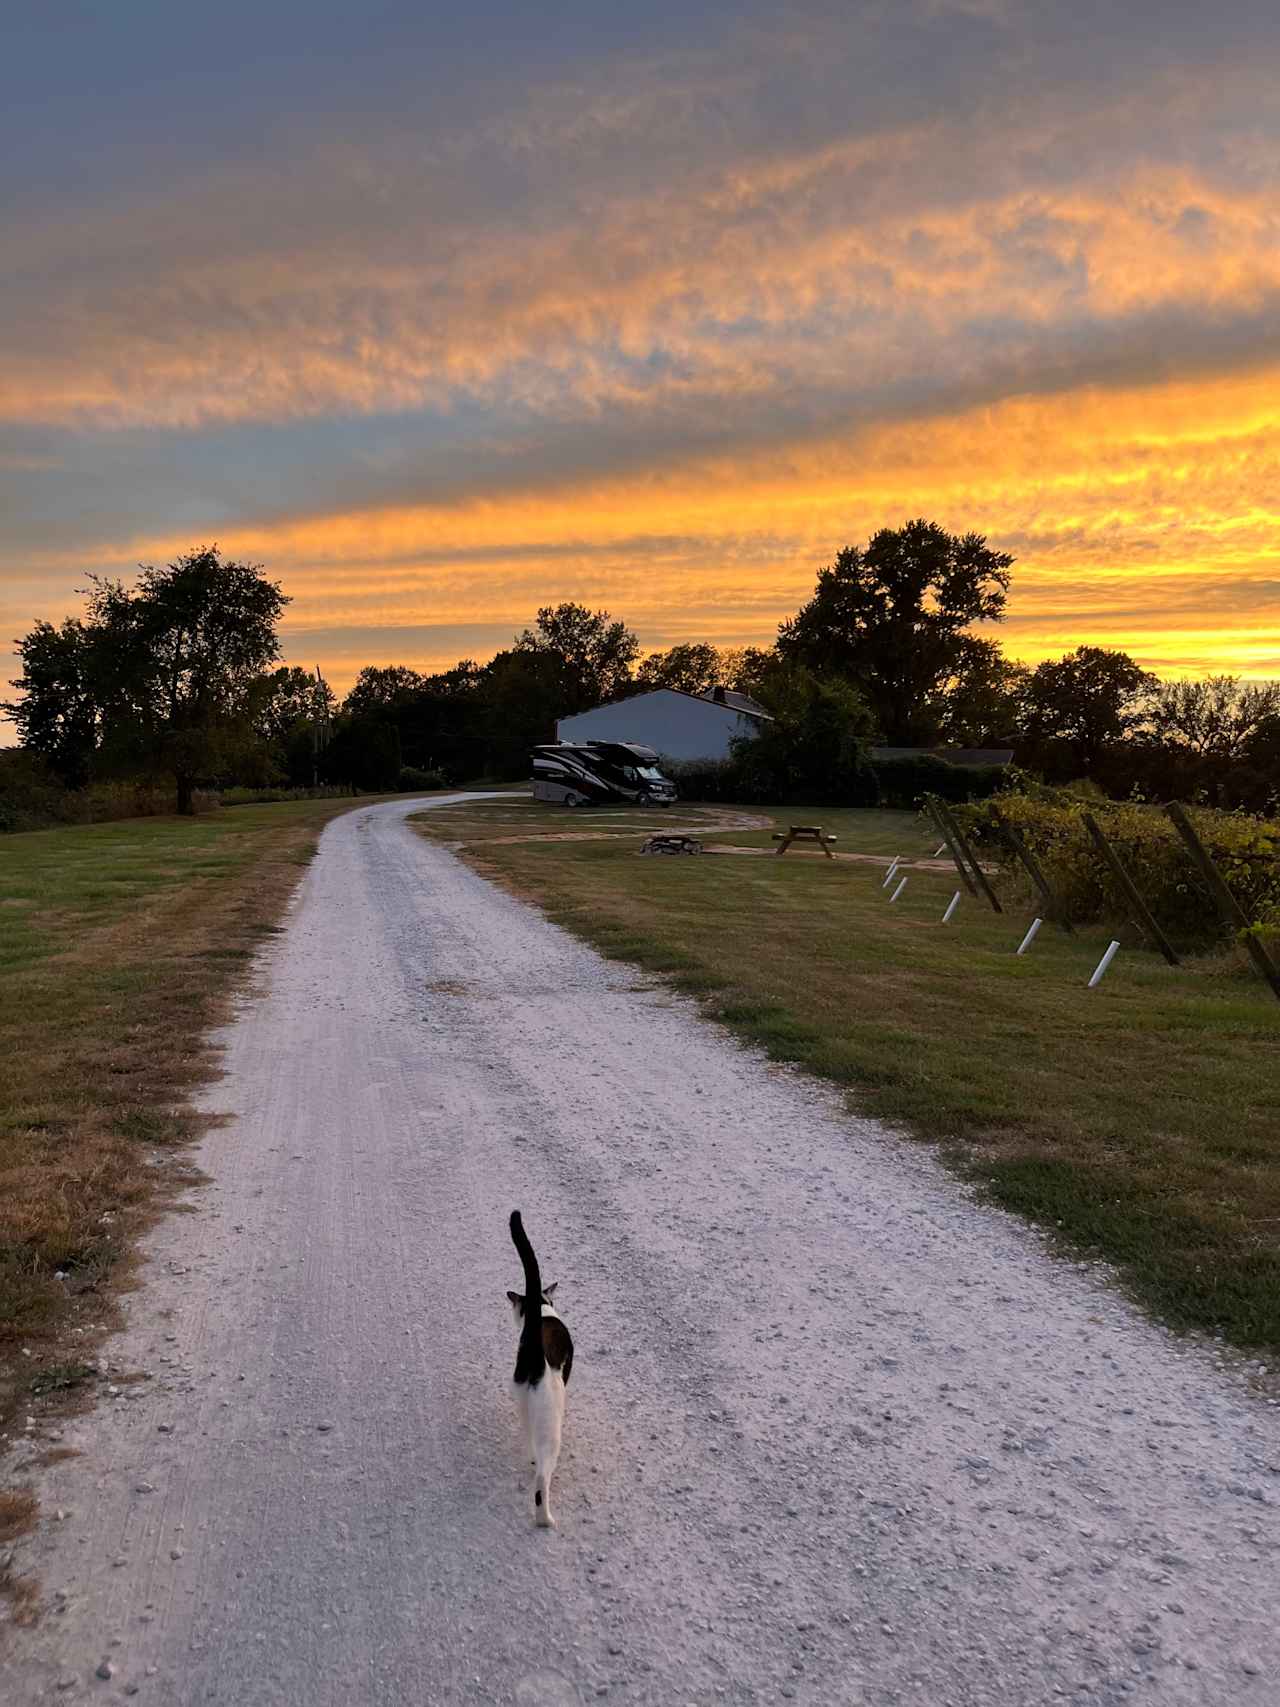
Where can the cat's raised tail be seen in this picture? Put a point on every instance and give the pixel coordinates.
(531, 1359)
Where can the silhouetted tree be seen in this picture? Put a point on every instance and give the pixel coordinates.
(1216, 717)
(893, 618)
(596, 650)
(1086, 701)
(980, 703)
(59, 713)
(162, 671)
(692, 667)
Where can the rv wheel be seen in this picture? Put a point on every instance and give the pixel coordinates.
(573, 799)
(644, 800)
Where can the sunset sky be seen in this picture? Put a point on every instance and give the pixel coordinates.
(443, 313)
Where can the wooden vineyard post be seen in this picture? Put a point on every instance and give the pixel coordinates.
(1052, 906)
(1142, 914)
(955, 835)
(1232, 912)
(950, 845)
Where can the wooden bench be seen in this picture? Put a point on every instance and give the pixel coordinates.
(804, 833)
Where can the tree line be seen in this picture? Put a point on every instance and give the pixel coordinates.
(180, 676)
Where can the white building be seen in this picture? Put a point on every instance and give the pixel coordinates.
(677, 725)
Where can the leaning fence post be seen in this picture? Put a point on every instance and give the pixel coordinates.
(955, 836)
(949, 844)
(1052, 906)
(1143, 917)
(1233, 914)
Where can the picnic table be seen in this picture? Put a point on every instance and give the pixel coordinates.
(803, 833)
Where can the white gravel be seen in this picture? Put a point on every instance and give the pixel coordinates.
(837, 1432)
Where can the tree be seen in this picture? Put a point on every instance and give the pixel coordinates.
(597, 653)
(893, 619)
(693, 667)
(813, 749)
(979, 705)
(155, 676)
(281, 700)
(522, 693)
(290, 711)
(1217, 717)
(59, 713)
(382, 689)
(177, 656)
(1087, 700)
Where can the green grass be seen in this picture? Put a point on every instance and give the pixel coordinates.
(1136, 1122)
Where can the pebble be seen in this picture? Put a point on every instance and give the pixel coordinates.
(145, 1488)
(105, 1671)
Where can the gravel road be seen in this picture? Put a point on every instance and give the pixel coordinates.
(837, 1433)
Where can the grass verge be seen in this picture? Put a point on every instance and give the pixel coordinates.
(1137, 1122)
(119, 945)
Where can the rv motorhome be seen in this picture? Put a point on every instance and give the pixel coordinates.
(591, 773)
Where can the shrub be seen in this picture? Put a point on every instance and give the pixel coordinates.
(1246, 851)
(415, 781)
(904, 782)
(32, 798)
(704, 779)
(756, 777)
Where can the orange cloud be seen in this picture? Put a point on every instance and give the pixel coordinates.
(1147, 518)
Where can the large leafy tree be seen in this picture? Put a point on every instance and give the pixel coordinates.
(894, 616)
(1086, 701)
(596, 651)
(522, 693)
(162, 672)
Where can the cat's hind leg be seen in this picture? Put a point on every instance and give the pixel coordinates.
(546, 1416)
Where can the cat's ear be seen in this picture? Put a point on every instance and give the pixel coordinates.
(547, 1291)
(516, 1298)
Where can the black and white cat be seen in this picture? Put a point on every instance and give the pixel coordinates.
(544, 1359)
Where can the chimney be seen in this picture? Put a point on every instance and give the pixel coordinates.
(717, 695)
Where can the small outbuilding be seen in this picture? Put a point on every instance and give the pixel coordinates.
(676, 724)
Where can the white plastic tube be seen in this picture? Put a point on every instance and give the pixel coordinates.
(898, 891)
(939, 851)
(889, 875)
(1106, 960)
(952, 904)
(1030, 937)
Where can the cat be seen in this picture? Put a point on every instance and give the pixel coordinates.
(544, 1359)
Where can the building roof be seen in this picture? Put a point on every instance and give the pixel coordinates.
(742, 703)
(735, 701)
(953, 755)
